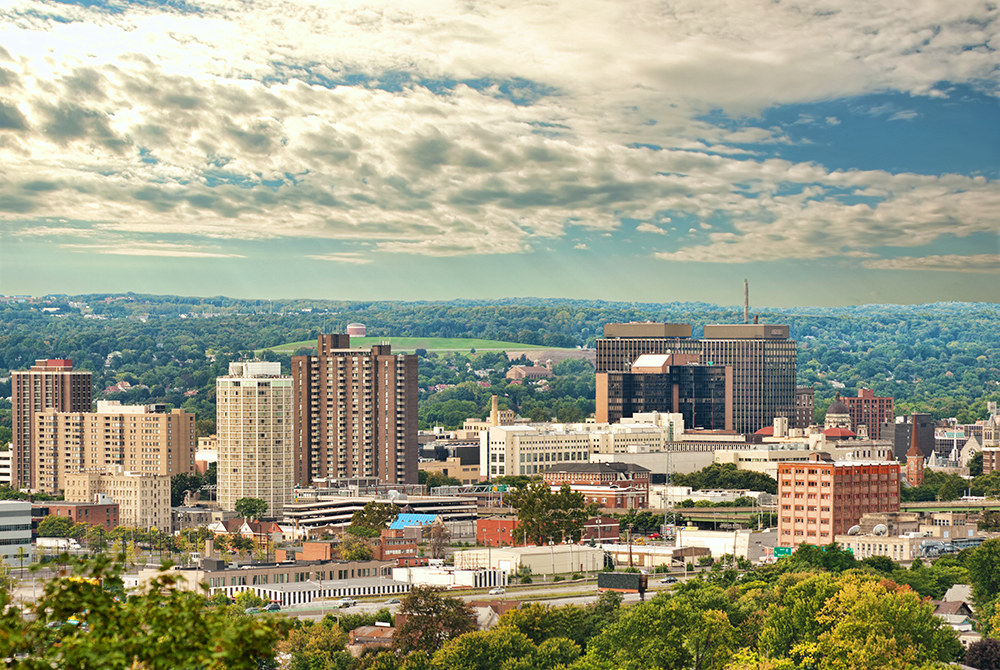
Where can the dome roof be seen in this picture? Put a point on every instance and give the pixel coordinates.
(838, 406)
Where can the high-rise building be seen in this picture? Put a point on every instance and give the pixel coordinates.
(669, 383)
(900, 433)
(143, 499)
(49, 385)
(355, 413)
(762, 357)
(253, 420)
(821, 498)
(804, 407)
(136, 437)
(871, 411)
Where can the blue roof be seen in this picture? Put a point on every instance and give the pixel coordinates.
(404, 520)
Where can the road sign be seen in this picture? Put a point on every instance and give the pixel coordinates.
(782, 551)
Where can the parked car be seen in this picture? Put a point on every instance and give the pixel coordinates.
(498, 591)
(345, 602)
(272, 607)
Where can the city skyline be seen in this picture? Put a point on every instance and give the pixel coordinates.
(439, 150)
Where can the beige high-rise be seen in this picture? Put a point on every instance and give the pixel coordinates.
(49, 385)
(254, 431)
(135, 437)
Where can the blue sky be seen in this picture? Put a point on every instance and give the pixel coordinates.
(847, 153)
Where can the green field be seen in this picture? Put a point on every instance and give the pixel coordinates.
(410, 344)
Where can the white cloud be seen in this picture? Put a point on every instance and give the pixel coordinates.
(650, 228)
(581, 246)
(349, 258)
(985, 263)
(904, 115)
(151, 249)
(217, 124)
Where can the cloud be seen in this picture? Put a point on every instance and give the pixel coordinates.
(904, 115)
(984, 263)
(581, 246)
(349, 258)
(650, 228)
(148, 249)
(446, 129)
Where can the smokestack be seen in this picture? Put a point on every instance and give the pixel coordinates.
(495, 412)
(209, 547)
(746, 302)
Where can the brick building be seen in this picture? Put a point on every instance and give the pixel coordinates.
(870, 411)
(49, 385)
(143, 499)
(820, 499)
(498, 531)
(804, 407)
(610, 485)
(104, 515)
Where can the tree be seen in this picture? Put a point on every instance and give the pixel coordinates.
(251, 508)
(503, 647)
(983, 564)
(55, 526)
(370, 520)
(248, 598)
(316, 646)
(984, 654)
(437, 536)
(976, 464)
(355, 549)
(158, 627)
(544, 516)
(431, 620)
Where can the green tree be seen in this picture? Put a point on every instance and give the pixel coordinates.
(503, 647)
(355, 549)
(158, 627)
(55, 526)
(431, 620)
(544, 516)
(248, 598)
(251, 508)
(372, 519)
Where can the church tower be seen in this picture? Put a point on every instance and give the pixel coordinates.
(914, 461)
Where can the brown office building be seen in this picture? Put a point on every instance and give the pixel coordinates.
(134, 437)
(805, 409)
(48, 385)
(870, 411)
(762, 357)
(672, 383)
(354, 413)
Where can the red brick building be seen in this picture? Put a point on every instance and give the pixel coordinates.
(601, 529)
(105, 516)
(820, 499)
(396, 544)
(498, 531)
(871, 411)
(610, 485)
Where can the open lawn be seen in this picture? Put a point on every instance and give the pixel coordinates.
(410, 344)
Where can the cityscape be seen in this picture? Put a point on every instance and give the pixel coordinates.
(490, 335)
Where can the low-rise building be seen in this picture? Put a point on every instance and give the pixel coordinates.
(333, 513)
(104, 515)
(554, 559)
(753, 545)
(476, 577)
(610, 485)
(15, 531)
(452, 467)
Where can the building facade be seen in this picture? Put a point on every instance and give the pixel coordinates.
(762, 356)
(821, 499)
(104, 515)
(15, 531)
(804, 407)
(49, 385)
(673, 383)
(610, 485)
(900, 433)
(355, 413)
(871, 411)
(136, 437)
(143, 499)
(254, 431)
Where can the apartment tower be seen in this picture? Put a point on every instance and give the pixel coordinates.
(355, 413)
(49, 385)
(871, 411)
(254, 431)
(136, 437)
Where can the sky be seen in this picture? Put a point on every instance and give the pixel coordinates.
(830, 152)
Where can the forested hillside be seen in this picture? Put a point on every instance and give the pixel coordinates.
(943, 358)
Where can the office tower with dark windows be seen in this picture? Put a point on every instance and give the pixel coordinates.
(49, 385)
(355, 413)
(762, 357)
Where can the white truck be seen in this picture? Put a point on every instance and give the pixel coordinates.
(57, 543)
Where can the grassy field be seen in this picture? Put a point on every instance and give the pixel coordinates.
(410, 344)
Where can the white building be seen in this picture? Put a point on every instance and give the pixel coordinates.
(753, 545)
(6, 459)
(15, 530)
(143, 498)
(450, 578)
(555, 559)
(254, 431)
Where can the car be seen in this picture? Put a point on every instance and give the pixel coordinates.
(654, 536)
(393, 601)
(253, 610)
(669, 579)
(272, 607)
(498, 591)
(345, 602)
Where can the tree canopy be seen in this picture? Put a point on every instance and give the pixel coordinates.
(544, 516)
(251, 508)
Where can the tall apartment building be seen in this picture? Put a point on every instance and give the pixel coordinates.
(355, 413)
(820, 499)
(135, 437)
(671, 383)
(49, 385)
(143, 499)
(871, 411)
(254, 432)
(804, 407)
